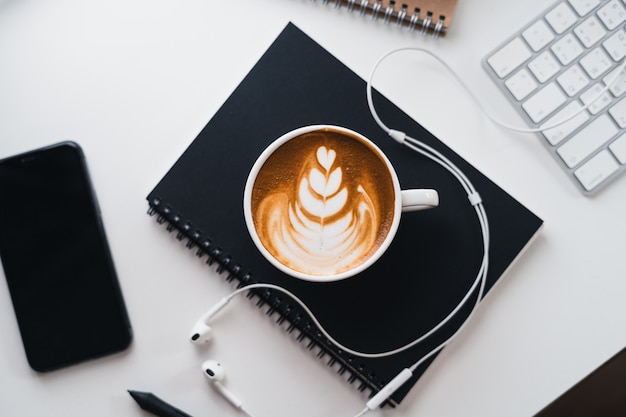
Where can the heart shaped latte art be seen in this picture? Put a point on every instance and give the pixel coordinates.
(325, 157)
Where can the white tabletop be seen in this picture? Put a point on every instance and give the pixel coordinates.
(134, 81)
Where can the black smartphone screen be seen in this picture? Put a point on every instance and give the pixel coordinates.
(56, 260)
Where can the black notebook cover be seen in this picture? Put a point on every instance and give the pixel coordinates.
(427, 270)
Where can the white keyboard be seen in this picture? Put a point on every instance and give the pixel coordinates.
(560, 62)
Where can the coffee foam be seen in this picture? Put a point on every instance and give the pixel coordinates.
(323, 203)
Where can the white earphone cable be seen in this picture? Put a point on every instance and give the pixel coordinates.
(246, 412)
(480, 281)
(472, 194)
(478, 285)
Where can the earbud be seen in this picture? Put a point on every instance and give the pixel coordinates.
(215, 372)
(201, 332)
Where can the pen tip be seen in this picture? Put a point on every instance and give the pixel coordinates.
(134, 394)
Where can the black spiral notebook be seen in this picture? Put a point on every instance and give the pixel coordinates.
(428, 268)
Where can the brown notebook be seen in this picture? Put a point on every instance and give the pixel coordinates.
(427, 16)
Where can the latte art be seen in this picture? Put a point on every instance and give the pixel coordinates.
(320, 215)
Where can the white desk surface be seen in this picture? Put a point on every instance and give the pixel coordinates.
(134, 81)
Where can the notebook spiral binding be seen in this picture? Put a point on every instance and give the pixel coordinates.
(276, 302)
(426, 21)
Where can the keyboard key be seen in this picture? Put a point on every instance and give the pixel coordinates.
(587, 141)
(596, 98)
(509, 58)
(590, 31)
(618, 113)
(596, 170)
(596, 62)
(583, 7)
(612, 14)
(544, 66)
(556, 134)
(618, 147)
(567, 49)
(538, 35)
(573, 80)
(561, 18)
(617, 86)
(615, 45)
(521, 84)
(548, 99)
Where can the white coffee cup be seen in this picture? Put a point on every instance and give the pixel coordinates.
(323, 203)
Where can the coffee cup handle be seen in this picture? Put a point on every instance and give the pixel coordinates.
(419, 199)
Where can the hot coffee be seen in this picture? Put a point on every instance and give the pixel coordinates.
(323, 202)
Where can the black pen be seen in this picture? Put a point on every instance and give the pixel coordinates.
(155, 405)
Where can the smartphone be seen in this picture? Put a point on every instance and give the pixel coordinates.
(58, 265)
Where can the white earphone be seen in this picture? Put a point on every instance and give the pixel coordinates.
(215, 372)
(202, 333)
